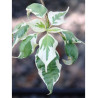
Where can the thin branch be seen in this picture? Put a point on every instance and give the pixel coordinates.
(60, 34)
(42, 2)
(47, 21)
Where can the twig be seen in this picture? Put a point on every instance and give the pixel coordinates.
(60, 34)
(47, 21)
(42, 2)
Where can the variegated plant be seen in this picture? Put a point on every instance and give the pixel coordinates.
(46, 58)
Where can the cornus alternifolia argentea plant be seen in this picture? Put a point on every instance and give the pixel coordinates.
(47, 57)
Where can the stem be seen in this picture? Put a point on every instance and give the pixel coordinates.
(47, 21)
(60, 34)
(42, 2)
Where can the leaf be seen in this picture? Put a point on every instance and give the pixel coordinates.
(37, 9)
(54, 30)
(53, 71)
(69, 37)
(17, 27)
(19, 33)
(47, 47)
(57, 18)
(72, 53)
(37, 25)
(27, 46)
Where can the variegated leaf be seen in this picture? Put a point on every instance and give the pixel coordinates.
(38, 9)
(53, 71)
(72, 53)
(69, 37)
(54, 30)
(57, 18)
(19, 33)
(47, 47)
(37, 25)
(17, 27)
(27, 46)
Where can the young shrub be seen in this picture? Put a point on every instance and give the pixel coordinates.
(46, 58)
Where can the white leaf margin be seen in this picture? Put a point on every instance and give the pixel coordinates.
(33, 41)
(52, 54)
(51, 14)
(35, 13)
(23, 37)
(55, 30)
(59, 66)
(33, 24)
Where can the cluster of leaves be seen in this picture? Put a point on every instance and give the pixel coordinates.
(46, 58)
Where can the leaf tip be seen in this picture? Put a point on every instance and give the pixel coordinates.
(50, 92)
(68, 62)
(67, 9)
(14, 57)
(28, 12)
(83, 42)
